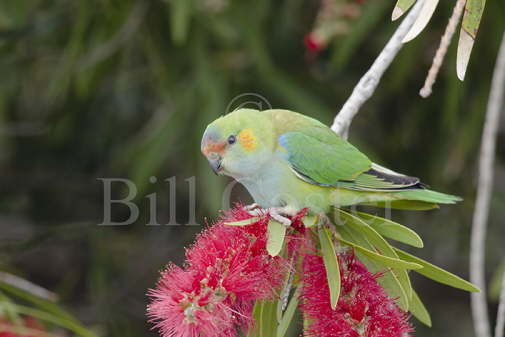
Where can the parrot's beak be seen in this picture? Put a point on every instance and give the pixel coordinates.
(215, 164)
(213, 149)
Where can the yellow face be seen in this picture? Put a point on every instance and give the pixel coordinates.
(239, 143)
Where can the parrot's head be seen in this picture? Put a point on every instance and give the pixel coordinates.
(239, 143)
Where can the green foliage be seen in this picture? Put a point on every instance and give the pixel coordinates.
(265, 319)
(392, 230)
(287, 317)
(418, 309)
(378, 255)
(276, 234)
(331, 264)
(438, 274)
(41, 308)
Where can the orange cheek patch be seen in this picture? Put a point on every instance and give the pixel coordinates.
(214, 147)
(247, 139)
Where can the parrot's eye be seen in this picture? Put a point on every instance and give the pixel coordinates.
(232, 140)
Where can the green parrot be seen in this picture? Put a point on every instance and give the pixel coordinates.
(288, 161)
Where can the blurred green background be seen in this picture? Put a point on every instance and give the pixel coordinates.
(124, 89)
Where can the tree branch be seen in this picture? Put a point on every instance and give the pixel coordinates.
(368, 83)
(484, 190)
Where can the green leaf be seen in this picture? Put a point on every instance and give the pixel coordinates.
(245, 222)
(70, 325)
(254, 329)
(386, 261)
(467, 34)
(438, 274)
(418, 309)
(380, 246)
(268, 322)
(275, 239)
(41, 303)
(7, 309)
(389, 281)
(287, 318)
(401, 7)
(422, 20)
(472, 16)
(392, 230)
(310, 220)
(330, 264)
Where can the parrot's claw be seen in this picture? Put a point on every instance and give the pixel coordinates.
(251, 207)
(280, 214)
(254, 209)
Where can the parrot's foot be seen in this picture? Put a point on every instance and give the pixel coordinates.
(252, 208)
(280, 214)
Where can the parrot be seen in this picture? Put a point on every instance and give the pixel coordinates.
(288, 161)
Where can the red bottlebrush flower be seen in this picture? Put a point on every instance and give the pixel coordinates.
(363, 309)
(228, 269)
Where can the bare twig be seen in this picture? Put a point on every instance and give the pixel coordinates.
(366, 86)
(27, 286)
(500, 317)
(442, 48)
(484, 189)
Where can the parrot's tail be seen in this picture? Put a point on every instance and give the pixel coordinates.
(420, 199)
(429, 196)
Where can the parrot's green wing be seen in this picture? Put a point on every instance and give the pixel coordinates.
(319, 156)
(381, 179)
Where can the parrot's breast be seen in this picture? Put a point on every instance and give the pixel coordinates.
(275, 185)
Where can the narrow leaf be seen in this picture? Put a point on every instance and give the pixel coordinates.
(60, 321)
(287, 318)
(465, 46)
(245, 222)
(422, 20)
(419, 311)
(40, 302)
(438, 274)
(401, 7)
(7, 310)
(330, 264)
(268, 326)
(275, 239)
(392, 230)
(386, 261)
(380, 246)
(389, 281)
(310, 220)
(467, 34)
(255, 328)
(472, 16)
